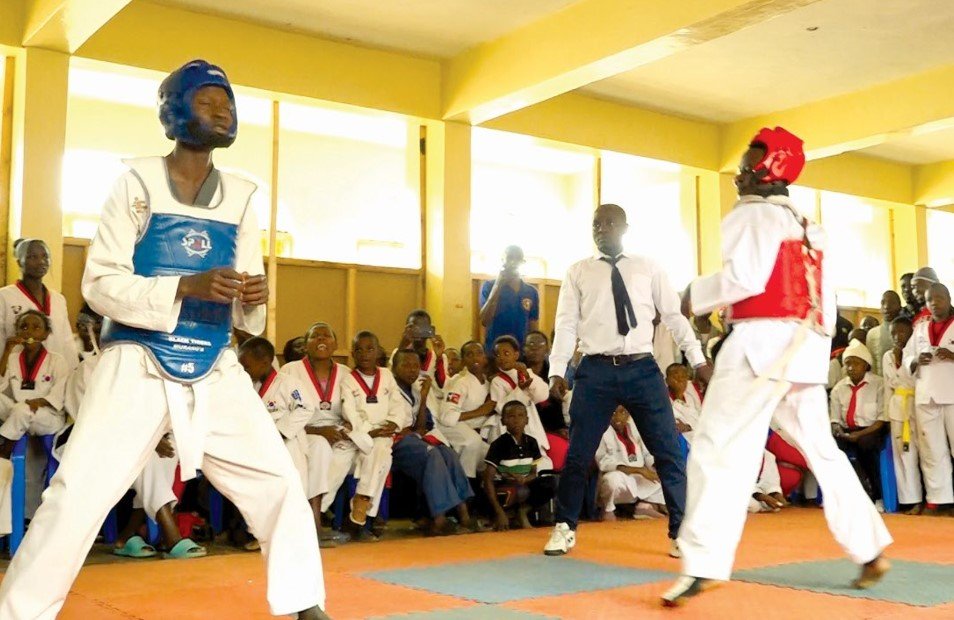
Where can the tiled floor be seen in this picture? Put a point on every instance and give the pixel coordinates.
(787, 567)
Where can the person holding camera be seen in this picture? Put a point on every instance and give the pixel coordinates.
(508, 305)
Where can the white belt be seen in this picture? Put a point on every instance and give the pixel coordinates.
(189, 431)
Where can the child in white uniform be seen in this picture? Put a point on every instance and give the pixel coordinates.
(686, 406)
(33, 383)
(31, 399)
(373, 405)
(29, 293)
(899, 402)
(465, 408)
(628, 474)
(929, 355)
(514, 381)
(329, 452)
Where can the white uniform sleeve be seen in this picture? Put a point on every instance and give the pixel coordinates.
(882, 403)
(749, 250)
(349, 409)
(566, 324)
(911, 351)
(606, 458)
(669, 305)
(249, 260)
(397, 406)
(61, 374)
(451, 408)
(294, 414)
(501, 393)
(109, 284)
(539, 391)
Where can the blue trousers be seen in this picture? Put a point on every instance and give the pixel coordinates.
(639, 387)
(436, 470)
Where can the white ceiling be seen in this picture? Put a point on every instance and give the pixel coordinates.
(435, 28)
(779, 64)
(917, 150)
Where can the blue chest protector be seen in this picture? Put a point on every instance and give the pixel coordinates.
(176, 245)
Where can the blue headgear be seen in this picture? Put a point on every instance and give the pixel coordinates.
(175, 104)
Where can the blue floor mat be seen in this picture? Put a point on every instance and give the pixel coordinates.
(914, 583)
(516, 578)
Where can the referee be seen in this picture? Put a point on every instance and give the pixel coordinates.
(607, 305)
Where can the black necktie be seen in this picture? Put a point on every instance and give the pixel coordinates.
(624, 307)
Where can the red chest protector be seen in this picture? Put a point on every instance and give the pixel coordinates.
(793, 291)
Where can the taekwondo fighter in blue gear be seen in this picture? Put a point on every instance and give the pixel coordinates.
(176, 263)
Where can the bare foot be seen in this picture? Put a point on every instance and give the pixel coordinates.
(359, 509)
(872, 572)
(523, 520)
(315, 613)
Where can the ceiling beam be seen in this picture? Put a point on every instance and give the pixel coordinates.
(11, 22)
(587, 121)
(158, 37)
(859, 175)
(912, 105)
(588, 41)
(934, 184)
(64, 25)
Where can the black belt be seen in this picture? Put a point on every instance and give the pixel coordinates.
(619, 360)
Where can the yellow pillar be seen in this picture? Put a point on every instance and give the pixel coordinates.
(39, 140)
(920, 235)
(449, 294)
(906, 240)
(717, 196)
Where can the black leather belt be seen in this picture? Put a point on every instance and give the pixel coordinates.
(619, 360)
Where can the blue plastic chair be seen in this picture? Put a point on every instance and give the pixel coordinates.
(216, 520)
(18, 486)
(685, 447)
(889, 481)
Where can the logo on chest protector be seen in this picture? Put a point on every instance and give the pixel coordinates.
(197, 243)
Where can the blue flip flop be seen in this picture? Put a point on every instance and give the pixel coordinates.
(137, 548)
(185, 549)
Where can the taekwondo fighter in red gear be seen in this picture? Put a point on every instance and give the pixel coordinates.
(774, 362)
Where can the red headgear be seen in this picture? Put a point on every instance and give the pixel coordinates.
(784, 157)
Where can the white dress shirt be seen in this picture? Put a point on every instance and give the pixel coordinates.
(869, 402)
(586, 312)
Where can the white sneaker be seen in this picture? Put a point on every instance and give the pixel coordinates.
(879, 505)
(561, 540)
(674, 551)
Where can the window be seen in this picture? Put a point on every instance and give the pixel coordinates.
(533, 193)
(349, 185)
(858, 256)
(805, 201)
(112, 116)
(940, 231)
(662, 222)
